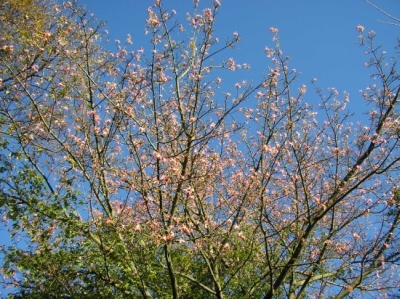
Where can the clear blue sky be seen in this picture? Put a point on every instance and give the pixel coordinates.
(319, 36)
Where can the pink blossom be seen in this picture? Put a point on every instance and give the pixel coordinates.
(273, 30)
(157, 155)
(360, 28)
(259, 95)
(303, 89)
(231, 64)
(241, 236)
(184, 229)
(35, 68)
(108, 221)
(168, 237)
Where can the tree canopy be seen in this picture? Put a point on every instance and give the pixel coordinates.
(127, 174)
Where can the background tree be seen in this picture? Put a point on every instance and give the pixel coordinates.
(133, 175)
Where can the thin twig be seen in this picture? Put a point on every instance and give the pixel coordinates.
(385, 13)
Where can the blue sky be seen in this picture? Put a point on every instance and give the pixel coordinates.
(319, 36)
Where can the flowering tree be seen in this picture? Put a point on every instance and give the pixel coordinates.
(133, 175)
